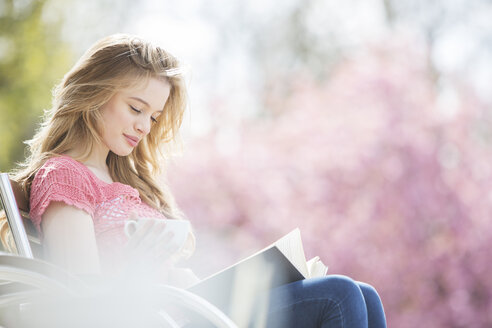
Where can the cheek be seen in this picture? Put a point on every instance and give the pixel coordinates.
(115, 117)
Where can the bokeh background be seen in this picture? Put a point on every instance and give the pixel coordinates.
(365, 123)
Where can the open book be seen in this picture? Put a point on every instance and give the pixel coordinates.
(290, 246)
(240, 289)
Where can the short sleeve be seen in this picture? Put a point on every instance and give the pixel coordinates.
(61, 180)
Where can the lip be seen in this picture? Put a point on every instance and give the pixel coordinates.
(133, 141)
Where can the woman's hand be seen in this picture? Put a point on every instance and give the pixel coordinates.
(150, 246)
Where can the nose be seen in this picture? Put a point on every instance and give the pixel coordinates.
(143, 126)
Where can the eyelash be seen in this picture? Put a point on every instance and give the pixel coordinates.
(154, 120)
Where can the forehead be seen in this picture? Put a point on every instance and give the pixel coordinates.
(153, 92)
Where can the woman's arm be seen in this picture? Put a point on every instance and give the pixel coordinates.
(69, 242)
(69, 239)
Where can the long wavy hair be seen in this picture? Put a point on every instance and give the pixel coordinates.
(114, 63)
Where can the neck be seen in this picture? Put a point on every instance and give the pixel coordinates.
(96, 162)
(96, 159)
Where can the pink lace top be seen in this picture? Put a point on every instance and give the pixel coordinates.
(63, 179)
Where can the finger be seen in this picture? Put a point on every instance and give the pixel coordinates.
(159, 249)
(153, 235)
(140, 233)
(165, 241)
(147, 242)
(166, 248)
(151, 244)
(162, 244)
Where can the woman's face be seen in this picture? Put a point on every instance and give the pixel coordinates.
(129, 115)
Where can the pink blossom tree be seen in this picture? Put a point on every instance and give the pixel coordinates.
(388, 183)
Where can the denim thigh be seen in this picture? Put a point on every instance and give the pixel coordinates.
(332, 301)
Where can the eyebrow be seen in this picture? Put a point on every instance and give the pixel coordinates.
(143, 102)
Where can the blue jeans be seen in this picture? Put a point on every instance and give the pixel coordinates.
(332, 301)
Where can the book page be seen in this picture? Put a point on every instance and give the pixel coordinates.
(291, 246)
(316, 267)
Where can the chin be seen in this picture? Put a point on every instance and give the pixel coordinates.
(122, 152)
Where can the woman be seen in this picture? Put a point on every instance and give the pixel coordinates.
(96, 154)
(93, 165)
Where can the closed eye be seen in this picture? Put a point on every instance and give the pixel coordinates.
(135, 109)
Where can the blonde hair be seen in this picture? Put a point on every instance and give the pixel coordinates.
(114, 63)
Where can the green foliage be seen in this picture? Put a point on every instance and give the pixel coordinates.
(32, 59)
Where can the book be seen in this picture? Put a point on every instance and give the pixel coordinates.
(240, 289)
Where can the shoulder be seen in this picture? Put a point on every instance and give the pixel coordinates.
(62, 167)
(67, 172)
(63, 179)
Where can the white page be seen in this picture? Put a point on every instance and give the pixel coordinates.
(291, 246)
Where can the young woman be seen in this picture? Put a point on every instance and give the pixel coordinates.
(93, 165)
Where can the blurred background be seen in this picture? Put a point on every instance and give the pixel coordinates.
(365, 123)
